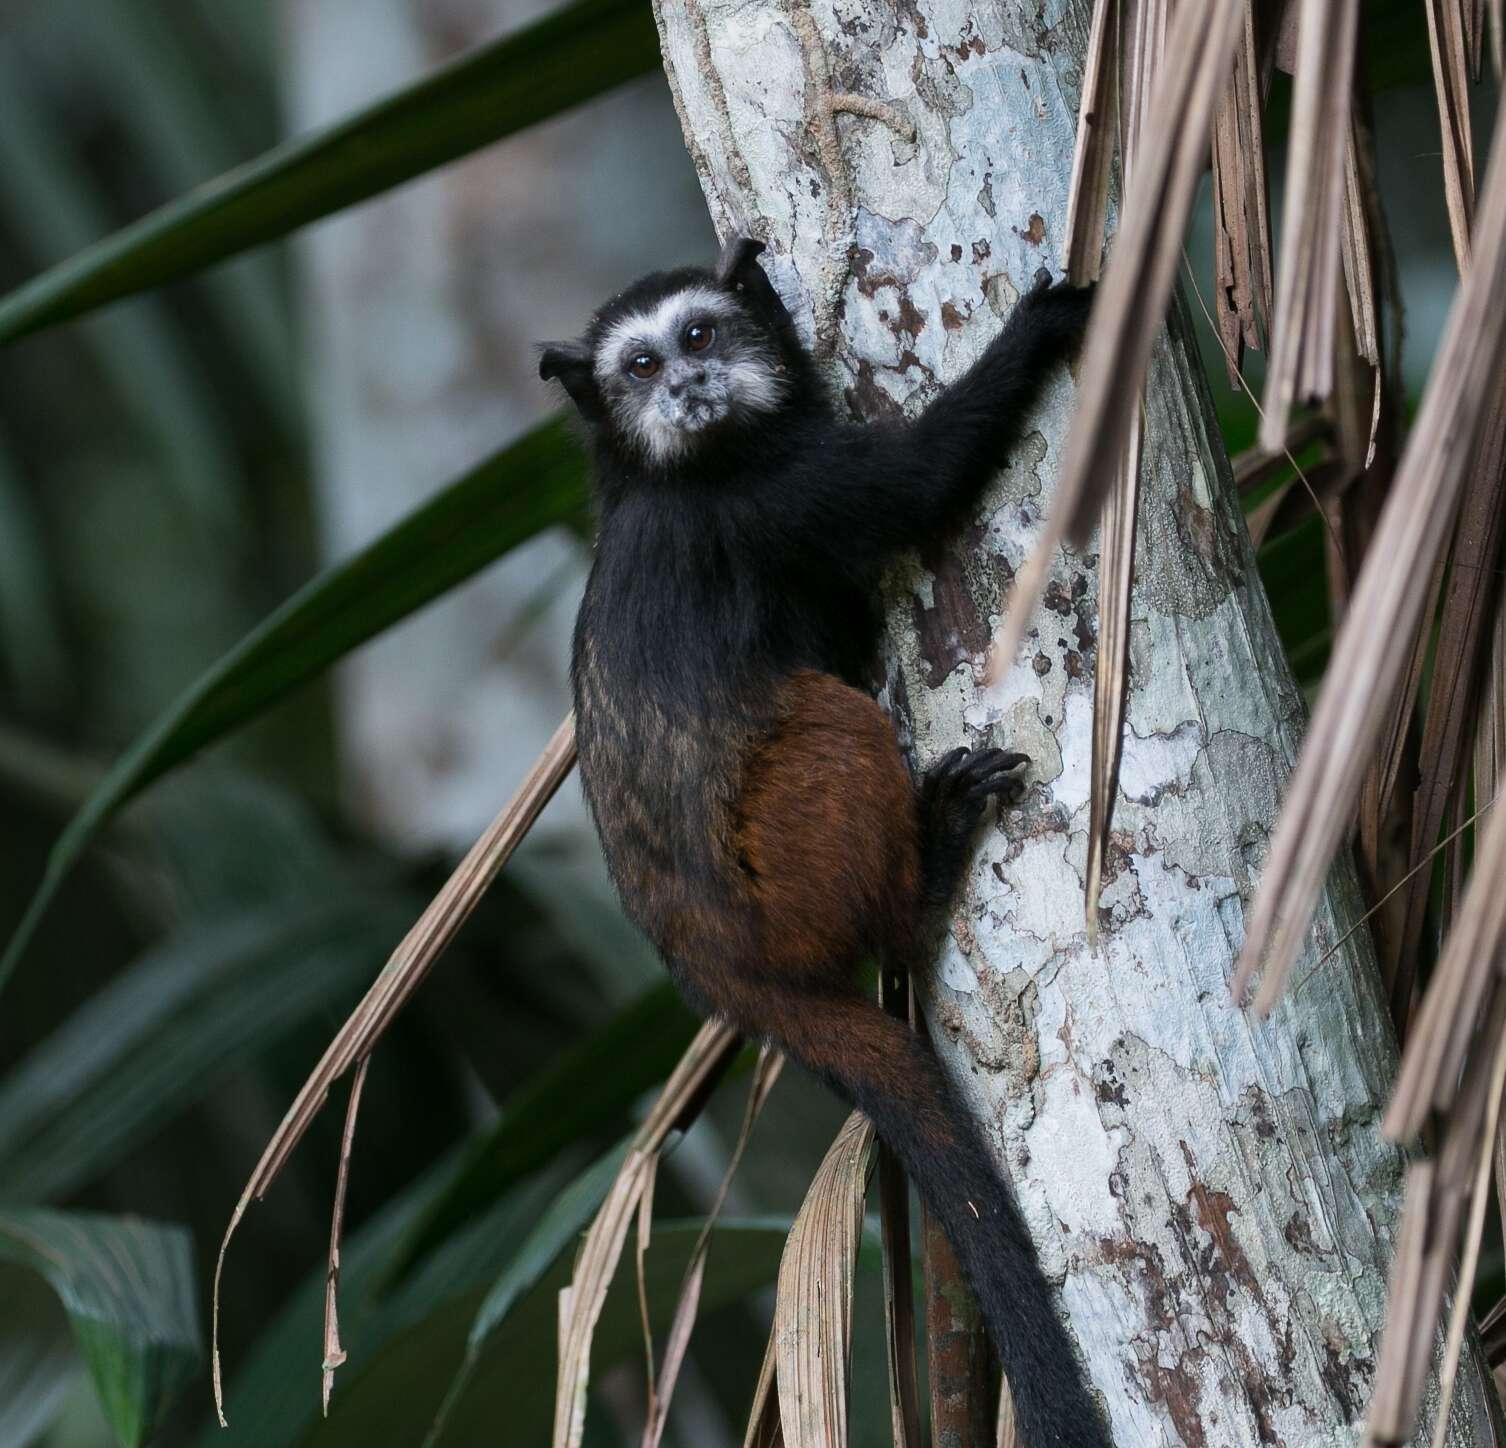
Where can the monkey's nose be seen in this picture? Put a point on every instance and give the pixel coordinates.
(693, 379)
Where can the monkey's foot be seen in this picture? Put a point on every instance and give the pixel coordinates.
(953, 793)
(955, 790)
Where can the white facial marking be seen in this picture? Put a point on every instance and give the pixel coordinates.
(737, 375)
(657, 331)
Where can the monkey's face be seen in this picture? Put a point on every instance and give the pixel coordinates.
(674, 372)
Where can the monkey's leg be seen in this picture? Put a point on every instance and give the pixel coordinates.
(879, 1065)
(832, 842)
(952, 796)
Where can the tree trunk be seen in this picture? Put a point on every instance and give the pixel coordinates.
(1210, 1190)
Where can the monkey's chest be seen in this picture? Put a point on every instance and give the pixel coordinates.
(661, 776)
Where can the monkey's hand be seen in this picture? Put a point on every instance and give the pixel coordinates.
(1056, 313)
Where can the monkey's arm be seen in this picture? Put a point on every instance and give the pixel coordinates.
(886, 486)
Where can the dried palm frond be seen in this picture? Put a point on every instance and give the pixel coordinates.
(1116, 573)
(897, 997)
(1307, 293)
(764, 1427)
(630, 1195)
(1437, 1191)
(1169, 97)
(1465, 612)
(363, 1028)
(1356, 248)
(813, 1306)
(1093, 154)
(1448, 26)
(1241, 226)
(1134, 293)
(1006, 1437)
(1378, 635)
(661, 1389)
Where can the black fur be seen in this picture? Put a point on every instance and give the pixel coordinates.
(716, 578)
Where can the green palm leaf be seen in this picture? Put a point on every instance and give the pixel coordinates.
(568, 57)
(536, 482)
(127, 1287)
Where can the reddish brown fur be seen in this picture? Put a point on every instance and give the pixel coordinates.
(827, 834)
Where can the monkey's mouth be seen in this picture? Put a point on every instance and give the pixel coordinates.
(695, 411)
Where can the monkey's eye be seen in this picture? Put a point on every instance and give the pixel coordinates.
(644, 365)
(699, 336)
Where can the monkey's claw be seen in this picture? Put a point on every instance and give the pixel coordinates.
(959, 784)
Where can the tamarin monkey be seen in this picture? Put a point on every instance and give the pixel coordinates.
(758, 819)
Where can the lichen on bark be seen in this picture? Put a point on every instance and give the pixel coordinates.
(1209, 1190)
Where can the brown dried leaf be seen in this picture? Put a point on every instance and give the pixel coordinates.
(703, 1064)
(399, 978)
(1302, 332)
(899, 1301)
(1466, 974)
(1133, 295)
(1116, 572)
(1357, 252)
(1241, 226)
(813, 1307)
(1430, 1225)
(765, 1074)
(764, 1429)
(1007, 1436)
(1490, 719)
(1464, 616)
(1375, 642)
(334, 1354)
(1423, 1252)
(897, 998)
(1479, 1199)
(1092, 157)
(1447, 42)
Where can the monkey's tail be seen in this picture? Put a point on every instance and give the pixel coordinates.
(892, 1075)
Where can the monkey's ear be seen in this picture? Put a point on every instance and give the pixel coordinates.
(569, 363)
(736, 259)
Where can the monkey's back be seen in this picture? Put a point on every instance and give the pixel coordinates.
(738, 786)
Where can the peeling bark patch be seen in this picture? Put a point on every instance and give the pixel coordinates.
(1181, 1392)
(1213, 1209)
(938, 87)
(1057, 599)
(986, 195)
(1035, 230)
(1347, 1378)
(1299, 1235)
(912, 12)
(1041, 664)
(1176, 1386)
(889, 253)
(1000, 293)
(981, 251)
(865, 399)
(1107, 1086)
(953, 629)
(956, 251)
(951, 318)
(911, 319)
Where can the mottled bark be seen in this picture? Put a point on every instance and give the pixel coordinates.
(1210, 1190)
